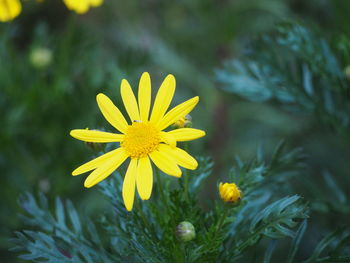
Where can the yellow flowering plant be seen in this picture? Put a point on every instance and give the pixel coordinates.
(143, 139)
(191, 219)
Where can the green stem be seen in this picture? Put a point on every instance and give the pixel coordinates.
(142, 215)
(151, 230)
(222, 219)
(253, 236)
(177, 252)
(160, 190)
(186, 178)
(187, 197)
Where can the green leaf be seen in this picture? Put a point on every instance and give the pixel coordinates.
(56, 240)
(289, 65)
(41, 246)
(204, 171)
(276, 219)
(325, 243)
(269, 251)
(296, 241)
(73, 216)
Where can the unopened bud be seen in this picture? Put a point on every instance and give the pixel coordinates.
(347, 72)
(184, 122)
(230, 193)
(40, 57)
(185, 231)
(95, 146)
(44, 185)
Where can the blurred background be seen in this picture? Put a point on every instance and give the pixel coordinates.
(53, 62)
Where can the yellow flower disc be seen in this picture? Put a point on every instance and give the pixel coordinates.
(141, 139)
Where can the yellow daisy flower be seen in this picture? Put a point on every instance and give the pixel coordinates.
(82, 6)
(9, 9)
(143, 139)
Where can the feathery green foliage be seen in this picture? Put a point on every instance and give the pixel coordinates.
(297, 67)
(61, 237)
(147, 234)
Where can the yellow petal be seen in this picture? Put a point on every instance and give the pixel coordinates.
(165, 163)
(186, 134)
(164, 96)
(96, 3)
(144, 96)
(129, 101)
(129, 185)
(99, 161)
(144, 178)
(79, 7)
(178, 112)
(111, 113)
(180, 156)
(105, 169)
(168, 139)
(96, 136)
(9, 9)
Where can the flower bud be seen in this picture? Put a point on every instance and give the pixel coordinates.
(95, 146)
(44, 185)
(185, 231)
(230, 193)
(184, 122)
(40, 57)
(347, 72)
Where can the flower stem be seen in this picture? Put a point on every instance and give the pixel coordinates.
(186, 185)
(222, 219)
(142, 215)
(160, 190)
(186, 178)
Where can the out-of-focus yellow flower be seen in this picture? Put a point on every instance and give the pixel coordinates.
(142, 139)
(82, 6)
(230, 193)
(9, 9)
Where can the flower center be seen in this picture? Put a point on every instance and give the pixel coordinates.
(141, 139)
